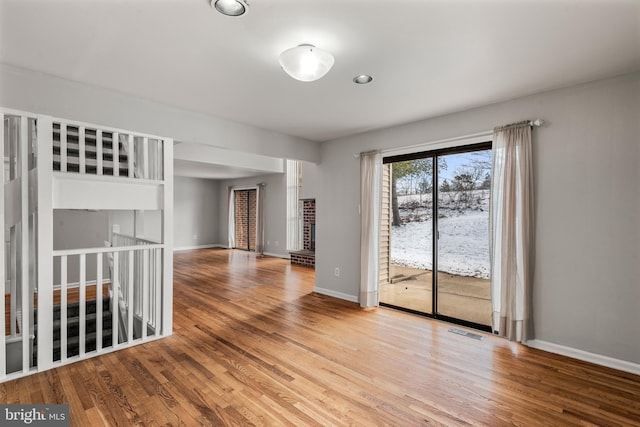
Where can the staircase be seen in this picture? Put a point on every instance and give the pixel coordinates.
(73, 329)
(91, 149)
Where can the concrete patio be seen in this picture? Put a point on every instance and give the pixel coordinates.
(465, 298)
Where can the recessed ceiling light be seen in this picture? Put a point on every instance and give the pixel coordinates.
(362, 79)
(230, 7)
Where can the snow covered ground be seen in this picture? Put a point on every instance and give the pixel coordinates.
(464, 238)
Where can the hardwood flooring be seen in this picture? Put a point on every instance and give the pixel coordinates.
(253, 344)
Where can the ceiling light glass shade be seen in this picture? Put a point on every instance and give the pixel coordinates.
(230, 7)
(306, 62)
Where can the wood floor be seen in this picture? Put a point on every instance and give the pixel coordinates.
(254, 345)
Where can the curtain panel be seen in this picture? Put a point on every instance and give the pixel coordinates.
(260, 219)
(511, 232)
(370, 205)
(232, 218)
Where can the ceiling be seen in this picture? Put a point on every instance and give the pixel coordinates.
(427, 57)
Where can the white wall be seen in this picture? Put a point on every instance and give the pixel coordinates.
(45, 94)
(309, 180)
(195, 210)
(587, 189)
(275, 215)
(79, 229)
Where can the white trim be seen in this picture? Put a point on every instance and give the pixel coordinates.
(12, 112)
(586, 356)
(106, 249)
(443, 143)
(273, 254)
(189, 248)
(335, 294)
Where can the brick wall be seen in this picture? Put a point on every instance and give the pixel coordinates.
(303, 259)
(308, 218)
(245, 219)
(307, 256)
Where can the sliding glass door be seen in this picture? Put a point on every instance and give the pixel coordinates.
(438, 238)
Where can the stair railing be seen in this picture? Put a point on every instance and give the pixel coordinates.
(45, 163)
(83, 149)
(147, 269)
(120, 286)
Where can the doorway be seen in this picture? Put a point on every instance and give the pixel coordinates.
(435, 234)
(246, 219)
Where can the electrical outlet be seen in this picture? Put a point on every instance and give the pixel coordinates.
(276, 243)
(268, 243)
(195, 237)
(337, 272)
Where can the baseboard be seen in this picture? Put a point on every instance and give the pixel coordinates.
(189, 248)
(340, 295)
(277, 255)
(598, 359)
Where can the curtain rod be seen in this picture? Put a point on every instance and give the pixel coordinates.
(532, 123)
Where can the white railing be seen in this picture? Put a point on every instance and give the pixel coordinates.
(17, 161)
(39, 155)
(146, 268)
(85, 149)
(121, 288)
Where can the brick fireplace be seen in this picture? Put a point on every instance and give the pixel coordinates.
(307, 256)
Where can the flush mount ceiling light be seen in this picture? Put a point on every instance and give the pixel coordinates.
(306, 62)
(230, 7)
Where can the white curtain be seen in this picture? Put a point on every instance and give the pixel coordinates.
(260, 219)
(370, 203)
(511, 232)
(232, 218)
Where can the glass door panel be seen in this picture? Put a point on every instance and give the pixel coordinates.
(410, 211)
(463, 285)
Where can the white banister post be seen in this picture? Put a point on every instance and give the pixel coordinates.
(115, 229)
(145, 290)
(145, 158)
(115, 301)
(115, 147)
(63, 308)
(3, 346)
(130, 299)
(45, 242)
(82, 157)
(99, 151)
(167, 239)
(99, 315)
(63, 147)
(130, 152)
(83, 304)
(23, 149)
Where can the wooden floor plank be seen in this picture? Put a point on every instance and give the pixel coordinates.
(253, 345)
